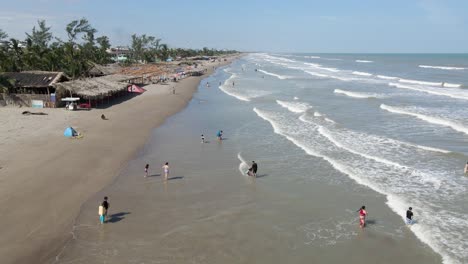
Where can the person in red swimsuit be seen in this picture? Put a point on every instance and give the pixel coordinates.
(362, 216)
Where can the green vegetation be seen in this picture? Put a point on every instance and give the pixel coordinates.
(75, 56)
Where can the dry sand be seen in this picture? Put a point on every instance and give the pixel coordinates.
(45, 177)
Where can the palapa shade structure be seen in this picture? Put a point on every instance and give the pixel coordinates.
(95, 88)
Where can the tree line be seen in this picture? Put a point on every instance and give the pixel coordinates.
(77, 54)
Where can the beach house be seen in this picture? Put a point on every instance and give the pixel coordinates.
(31, 88)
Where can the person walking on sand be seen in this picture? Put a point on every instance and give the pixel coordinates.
(103, 210)
(146, 170)
(409, 216)
(202, 138)
(166, 170)
(362, 216)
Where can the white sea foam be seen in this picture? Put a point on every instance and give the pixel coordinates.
(317, 74)
(362, 73)
(439, 84)
(296, 98)
(386, 77)
(312, 64)
(364, 61)
(312, 57)
(295, 107)
(243, 165)
(430, 119)
(357, 95)
(449, 68)
(281, 77)
(317, 114)
(371, 161)
(449, 92)
(240, 93)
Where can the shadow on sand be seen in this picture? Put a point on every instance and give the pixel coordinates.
(261, 175)
(154, 175)
(175, 178)
(114, 218)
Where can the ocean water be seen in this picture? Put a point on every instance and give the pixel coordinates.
(397, 124)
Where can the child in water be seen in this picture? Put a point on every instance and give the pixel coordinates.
(362, 216)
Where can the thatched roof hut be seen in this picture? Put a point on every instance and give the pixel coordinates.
(95, 88)
(35, 81)
(102, 70)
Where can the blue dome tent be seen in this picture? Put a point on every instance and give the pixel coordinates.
(70, 132)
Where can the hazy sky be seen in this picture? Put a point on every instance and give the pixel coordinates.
(260, 25)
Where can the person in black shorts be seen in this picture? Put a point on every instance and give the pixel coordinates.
(105, 204)
(409, 216)
(253, 169)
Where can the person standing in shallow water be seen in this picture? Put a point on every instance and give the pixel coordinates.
(146, 170)
(103, 210)
(165, 168)
(409, 216)
(253, 169)
(362, 216)
(466, 169)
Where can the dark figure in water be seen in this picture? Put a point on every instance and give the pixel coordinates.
(409, 216)
(103, 117)
(253, 169)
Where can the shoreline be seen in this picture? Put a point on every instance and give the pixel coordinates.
(42, 206)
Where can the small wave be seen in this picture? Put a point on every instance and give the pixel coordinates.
(364, 61)
(281, 77)
(329, 69)
(386, 77)
(312, 57)
(431, 149)
(296, 98)
(317, 114)
(442, 67)
(243, 166)
(295, 107)
(317, 74)
(441, 84)
(362, 73)
(449, 92)
(312, 64)
(430, 119)
(357, 95)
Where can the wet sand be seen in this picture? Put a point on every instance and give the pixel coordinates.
(45, 178)
(209, 213)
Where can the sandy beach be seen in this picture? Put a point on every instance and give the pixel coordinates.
(45, 177)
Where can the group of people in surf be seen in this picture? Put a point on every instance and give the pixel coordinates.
(363, 214)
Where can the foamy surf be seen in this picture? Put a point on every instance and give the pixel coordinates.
(386, 77)
(449, 92)
(295, 107)
(243, 165)
(357, 94)
(364, 61)
(371, 161)
(281, 77)
(448, 68)
(439, 84)
(430, 119)
(362, 73)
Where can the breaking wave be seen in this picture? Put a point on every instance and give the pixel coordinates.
(442, 67)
